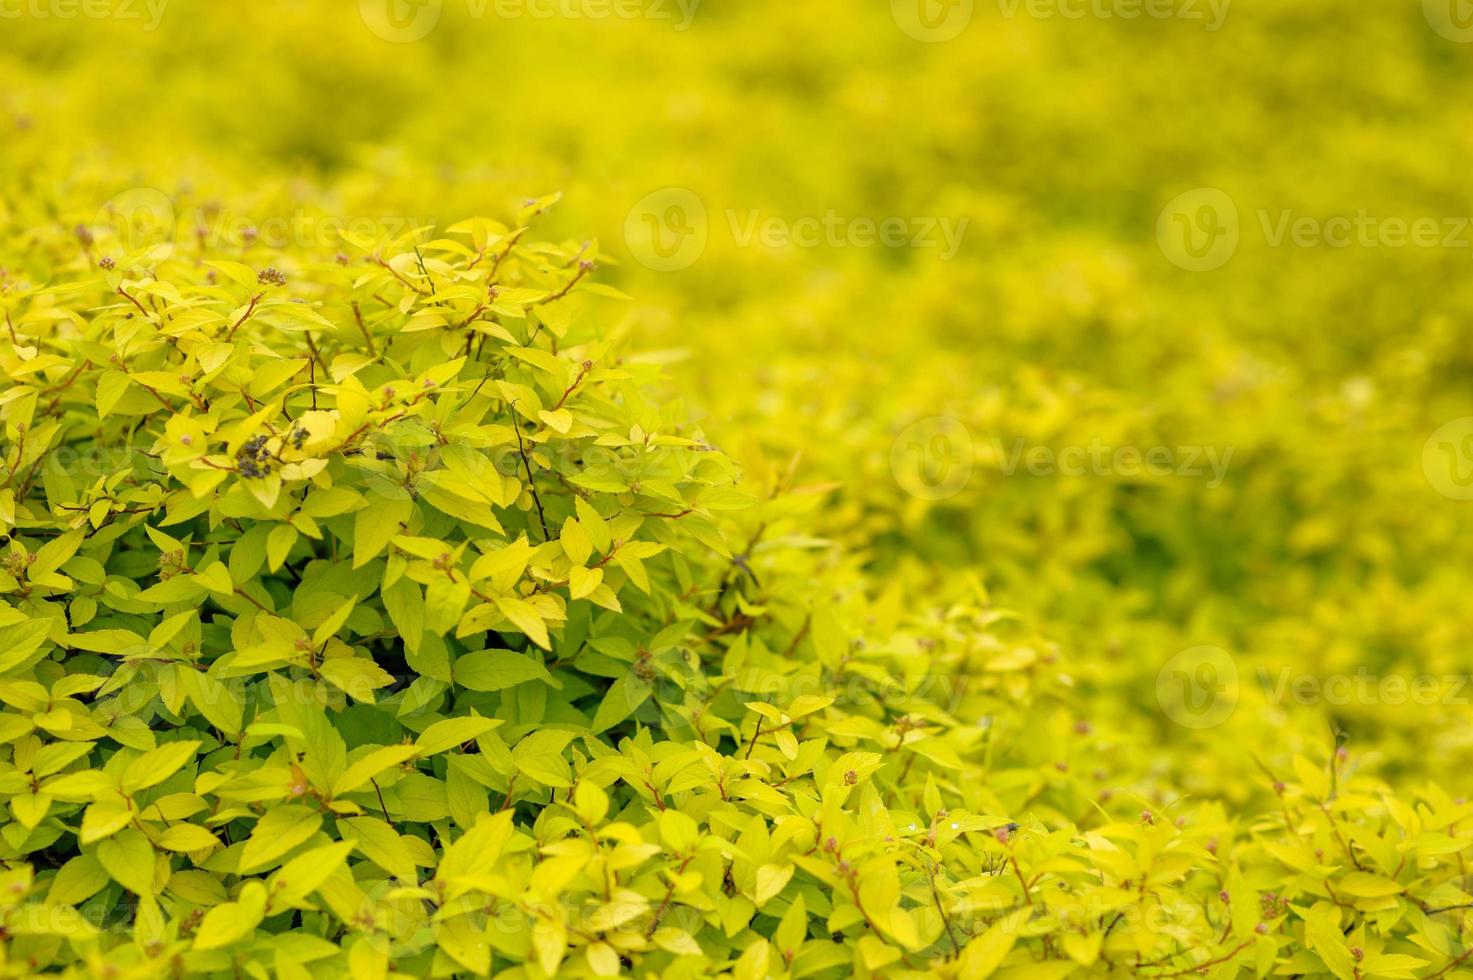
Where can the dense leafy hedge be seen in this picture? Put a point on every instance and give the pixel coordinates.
(229, 747)
(366, 615)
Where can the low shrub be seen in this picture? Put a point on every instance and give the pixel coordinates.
(379, 614)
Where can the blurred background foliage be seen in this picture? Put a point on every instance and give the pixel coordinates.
(1060, 319)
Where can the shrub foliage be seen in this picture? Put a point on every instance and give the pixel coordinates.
(379, 615)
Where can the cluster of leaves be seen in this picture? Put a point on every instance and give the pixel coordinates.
(1324, 550)
(370, 614)
(1058, 322)
(343, 606)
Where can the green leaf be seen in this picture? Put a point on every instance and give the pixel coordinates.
(539, 756)
(360, 772)
(304, 873)
(381, 844)
(465, 944)
(793, 929)
(476, 851)
(525, 617)
(231, 922)
(129, 858)
(984, 954)
(187, 837)
(771, 879)
(77, 880)
(450, 732)
(624, 696)
(375, 524)
(278, 832)
(1322, 932)
(495, 670)
(216, 578)
(18, 643)
(154, 767)
(357, 677)
(279, 544)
